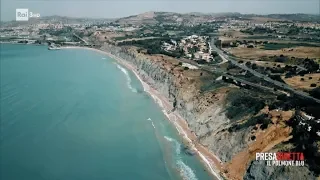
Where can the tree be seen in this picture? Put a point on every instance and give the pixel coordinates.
(254, 66)
(315, 92)
(180, 63)
(214, 54)
(192, 56)
(185, 68)
(282, 97)
(313, 85)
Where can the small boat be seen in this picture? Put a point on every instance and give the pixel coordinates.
(188, 151)
(53, 48)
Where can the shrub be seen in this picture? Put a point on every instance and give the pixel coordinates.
(262, 119)
(313, 85)
(282, 97)
(242, 104)
(185, 68)
(315, 92)
(254, 66)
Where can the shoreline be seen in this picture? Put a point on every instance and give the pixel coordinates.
(211, 162)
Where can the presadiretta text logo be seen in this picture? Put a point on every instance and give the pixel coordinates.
(282, 158)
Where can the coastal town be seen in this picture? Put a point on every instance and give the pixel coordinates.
(249, 82)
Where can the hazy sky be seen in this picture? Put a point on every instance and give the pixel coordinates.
(121, 8)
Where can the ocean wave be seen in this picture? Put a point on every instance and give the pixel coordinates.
(128, 78)
(153, 125)
(186, 172)
(157, 100)
(177, 145)
(168, 138)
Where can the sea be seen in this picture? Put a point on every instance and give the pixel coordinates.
(75, 114)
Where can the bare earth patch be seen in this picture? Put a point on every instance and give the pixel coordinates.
(297, 83)
(265, 141)
(255, 53)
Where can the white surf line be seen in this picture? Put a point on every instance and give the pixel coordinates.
(184, 135)
(127, 75)
(180, 129)
(149, 119)
(177, 115)
(153, 125)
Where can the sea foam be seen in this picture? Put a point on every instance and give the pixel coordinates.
(185, 171)
(128, 78)
(177, 145)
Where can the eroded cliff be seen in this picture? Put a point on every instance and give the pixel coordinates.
(213, 114)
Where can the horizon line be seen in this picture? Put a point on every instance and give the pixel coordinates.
(204, 13)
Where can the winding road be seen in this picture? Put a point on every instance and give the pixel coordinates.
(226, 58)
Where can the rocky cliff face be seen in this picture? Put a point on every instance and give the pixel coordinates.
(205, 113)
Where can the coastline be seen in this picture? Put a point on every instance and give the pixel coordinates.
(211, 162)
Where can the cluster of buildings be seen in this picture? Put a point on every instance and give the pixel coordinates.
(274, 29)
(272, 24)
(19, 32)
(172, 46)
(194, 47)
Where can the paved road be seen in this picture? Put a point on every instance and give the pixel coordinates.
(262, 76)
(249, 83)
(216, 70)
(81, 39)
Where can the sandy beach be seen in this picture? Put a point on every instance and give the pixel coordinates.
(211, 161)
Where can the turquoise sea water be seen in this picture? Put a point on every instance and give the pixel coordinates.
(78, 115)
